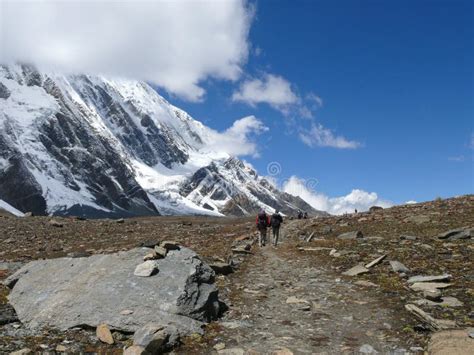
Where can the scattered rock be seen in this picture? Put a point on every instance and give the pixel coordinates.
(376, 261)
(7, 314)
(61, 348)
(148, 244)
(146, 269)
(429, 321)
(55, 223)
(135, 350)
(443, 302)
(294, 300)
(364, 283)
(28, 214)
(398, 266)
(314, 248)
(221, 268)
(160, 251)
(418, 219)
(219, 346)
(432, 294)
(367, 349)
(103, 334)
(351, 235)
(428, 286)
(282, 351)
(120, 221)
(408, 237)
(126, 312)
(356, 270)
(375, 209)
(182, 294)
(152, 337)
(415, 279)
(456, 234)
(232, 351)
(150, 256)
(24, 351)
(449, 342)
(169, 245)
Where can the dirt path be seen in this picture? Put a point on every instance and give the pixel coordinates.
(279, 302)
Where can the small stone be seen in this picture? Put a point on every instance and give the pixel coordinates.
(432, 295)
(55, 223)
(294, 300)
(423, 286)
(367, 349)
(283, 351)
(356, 270)
(169, 245)
(146, 269)
(104, 335)
(444, 277)
(221, 268)
(219, 346)
(24, 351)
(120, 221)
(365, 283)
(398, 266)
(134, 350)
(408, 237)
(126, 312)
(232, 351)
(351, 235)
(61, 348)
(152, 337)
(160, 251)
(150, 256)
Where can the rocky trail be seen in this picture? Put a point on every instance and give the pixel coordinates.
(393, 281)
(281, 304)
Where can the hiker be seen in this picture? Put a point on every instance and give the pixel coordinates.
(275, 222)
(263, 221)
(305, 215)
(300, 214)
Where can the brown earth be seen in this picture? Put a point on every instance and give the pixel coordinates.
(332, 313)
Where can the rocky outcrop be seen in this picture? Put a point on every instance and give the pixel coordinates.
(102, 289)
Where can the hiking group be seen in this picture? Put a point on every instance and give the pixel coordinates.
(263, 222)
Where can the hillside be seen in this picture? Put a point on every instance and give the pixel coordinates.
(329, 312)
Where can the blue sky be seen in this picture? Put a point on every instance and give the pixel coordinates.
(395, 76)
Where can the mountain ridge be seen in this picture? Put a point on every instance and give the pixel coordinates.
(99, 147)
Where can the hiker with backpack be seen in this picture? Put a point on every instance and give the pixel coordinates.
(275, 222)
(263, 221)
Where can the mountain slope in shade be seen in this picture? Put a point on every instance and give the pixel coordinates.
(93, 146)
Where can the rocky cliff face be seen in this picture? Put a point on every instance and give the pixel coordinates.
(92, 146)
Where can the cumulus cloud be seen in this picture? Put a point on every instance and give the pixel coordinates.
(239, 139)
(356, 199)
(173, 44)
(319, 136)
(271, 89)
(411, 202)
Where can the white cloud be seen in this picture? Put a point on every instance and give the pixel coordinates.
(356, 199)
(176, 45)
(319, 136)
(457, 159)
(411, 202)
(271, 89)
(239, 138)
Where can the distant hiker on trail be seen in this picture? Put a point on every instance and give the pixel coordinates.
(300, 214)
(275, 222)
(263, 221)
(305, 215)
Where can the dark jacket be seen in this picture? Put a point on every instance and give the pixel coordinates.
(276, 220)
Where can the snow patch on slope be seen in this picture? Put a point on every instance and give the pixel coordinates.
(5, 206)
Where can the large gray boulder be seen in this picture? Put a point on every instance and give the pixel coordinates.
(68, 292)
